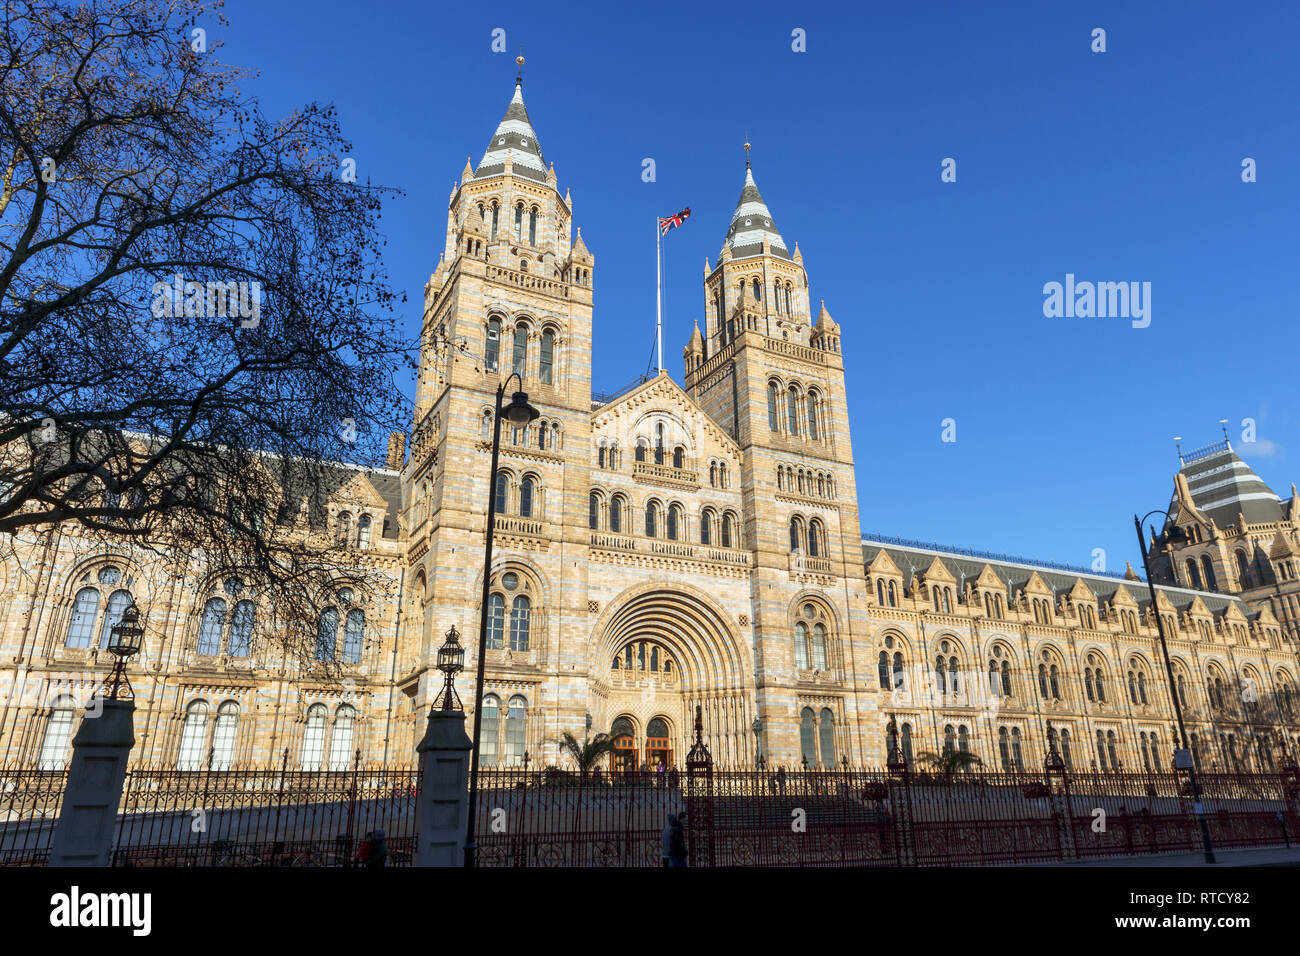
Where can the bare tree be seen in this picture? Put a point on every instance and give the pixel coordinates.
(194, 319)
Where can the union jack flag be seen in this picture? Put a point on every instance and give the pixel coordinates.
(671, 221)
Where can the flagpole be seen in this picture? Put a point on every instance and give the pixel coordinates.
(659, 293)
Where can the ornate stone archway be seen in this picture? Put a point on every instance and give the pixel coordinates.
(674, 650)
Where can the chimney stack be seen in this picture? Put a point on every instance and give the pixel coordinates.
(396, 450)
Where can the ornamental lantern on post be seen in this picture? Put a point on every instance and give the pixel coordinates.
(125, 639)
(894, 759)
(1054, 762)
(451, 661)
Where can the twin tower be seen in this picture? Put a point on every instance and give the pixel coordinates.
(667, 548)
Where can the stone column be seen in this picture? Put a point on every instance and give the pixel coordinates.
(96, 776)
(442, 807)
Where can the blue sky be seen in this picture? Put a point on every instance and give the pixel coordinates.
(1115, 166)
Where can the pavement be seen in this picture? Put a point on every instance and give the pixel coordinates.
(1251, 856)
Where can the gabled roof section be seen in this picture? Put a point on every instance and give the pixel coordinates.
(1281, 548)
(1036, 585)
(1223, 487)
(340, 481)
(514, 137)
(987, 579)
(663, 385)
(1198, 608)
(920, 559)
(884, 564)
(359, 490)
(752, 223)
(1123, 597)
(938, 571)
(1081, 591)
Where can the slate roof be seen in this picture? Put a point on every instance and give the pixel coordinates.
(751, 223)
(913, 561)
(514, 135)
(1223, 487)
(326, 481)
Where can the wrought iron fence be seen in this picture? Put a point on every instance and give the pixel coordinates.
(871, 817)
(267, 817)
(30, 800)
(847, 817)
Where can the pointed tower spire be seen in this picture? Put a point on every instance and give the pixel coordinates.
(824, 321)
(580, 250)
(697, 340)
(751, 223)
(515, 137)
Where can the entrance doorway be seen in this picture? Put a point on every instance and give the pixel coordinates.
(657, 749)
(623, 758)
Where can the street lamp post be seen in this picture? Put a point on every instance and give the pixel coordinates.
(518, 413)
(1183, 756)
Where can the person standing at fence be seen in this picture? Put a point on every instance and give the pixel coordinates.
(677, 839)
(666, 839)
(363, 851)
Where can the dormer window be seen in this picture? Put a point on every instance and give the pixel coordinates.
(501, 141)
(523, 142)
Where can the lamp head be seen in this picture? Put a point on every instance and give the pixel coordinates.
(519, 412)
(451, 656)
(451, 661)
(126, 637)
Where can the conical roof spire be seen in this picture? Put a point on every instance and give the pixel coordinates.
(824, 321)
(752, 223)
(514, 136)
(697, 341)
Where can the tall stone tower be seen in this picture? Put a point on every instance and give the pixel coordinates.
(512, 293)
(774, 379)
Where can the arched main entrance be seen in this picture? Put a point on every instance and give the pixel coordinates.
(664, 651)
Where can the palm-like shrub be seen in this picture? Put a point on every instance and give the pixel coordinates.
(586, 753)
(950, 762)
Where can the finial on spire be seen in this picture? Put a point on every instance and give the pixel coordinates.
(747, 151)
(519, 60)
(1178, 444)
(1223, 424)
